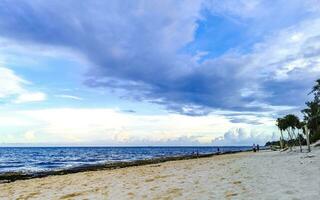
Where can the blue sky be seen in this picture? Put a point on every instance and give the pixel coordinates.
(190, 72)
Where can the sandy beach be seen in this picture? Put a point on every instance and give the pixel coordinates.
(247, 175)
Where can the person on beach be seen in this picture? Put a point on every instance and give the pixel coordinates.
(258, 147)
(254, 147)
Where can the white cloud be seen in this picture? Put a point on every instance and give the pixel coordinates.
(241, 136)
(69, 97)
(113, 127)
(30, 136)
(30, 97)
(92, 125)
(10, 83)
(291, 50)
(13, 86)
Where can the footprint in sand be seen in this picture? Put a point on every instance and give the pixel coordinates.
(149, 180)
(175, 192)
(131, 194)
(154, 188)
(29, 196)
(237, 171)
(236, 182)
(289, 192)
(230, 194)
(155, 165)
(68, 196)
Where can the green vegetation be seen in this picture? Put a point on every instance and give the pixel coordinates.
(312, 113)
(291, 125)
(293, 130)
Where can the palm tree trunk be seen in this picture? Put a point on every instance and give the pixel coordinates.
(299, 141)
(295, 138)
(290, 139)
(281, 140)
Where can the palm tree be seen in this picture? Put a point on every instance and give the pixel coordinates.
(300, 136)
(312, 118)
(312, 113)
(285, 126)
(286, 121)
(316, 90)
(291, 123)
(280, 124)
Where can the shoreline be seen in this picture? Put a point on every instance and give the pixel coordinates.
(246, 175)
(9, 177)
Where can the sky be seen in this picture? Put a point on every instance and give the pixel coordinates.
(146, 72)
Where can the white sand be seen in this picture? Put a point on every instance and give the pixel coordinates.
(263, 175)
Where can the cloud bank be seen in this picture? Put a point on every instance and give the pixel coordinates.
(245, 137)
(139, 47)
(114, 127)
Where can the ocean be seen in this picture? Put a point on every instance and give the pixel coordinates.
(41, 159)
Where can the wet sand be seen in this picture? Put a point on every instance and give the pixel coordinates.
(247, 175)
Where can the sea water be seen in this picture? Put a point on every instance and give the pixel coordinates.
(39, 159)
